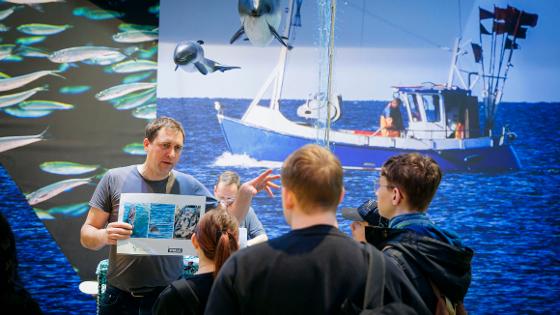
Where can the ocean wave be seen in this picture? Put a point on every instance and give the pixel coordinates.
(243, 160)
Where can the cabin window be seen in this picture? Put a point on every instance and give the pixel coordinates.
(431, 105)
(414, 108)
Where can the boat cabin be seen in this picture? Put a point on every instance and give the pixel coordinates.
(439, 112)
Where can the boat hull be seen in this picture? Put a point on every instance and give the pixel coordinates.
(269, 145)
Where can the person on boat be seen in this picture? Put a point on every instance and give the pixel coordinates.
(216, 238)
(226, 190)
(133, 281)
(313, 268)
(432, 258)
(458, 128)
(391, 121)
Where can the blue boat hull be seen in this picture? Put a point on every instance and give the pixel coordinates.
(267, 145)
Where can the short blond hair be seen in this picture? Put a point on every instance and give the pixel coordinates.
(315, 177)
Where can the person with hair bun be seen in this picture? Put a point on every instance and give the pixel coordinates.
(215, 240)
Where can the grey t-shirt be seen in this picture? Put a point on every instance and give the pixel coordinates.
(253, 224)
(128, 272)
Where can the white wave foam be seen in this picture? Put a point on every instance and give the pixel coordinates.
(243, 160)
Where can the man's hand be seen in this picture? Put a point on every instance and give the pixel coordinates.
(262, 182)
(246, 192)
(359, 231)
(117, 231)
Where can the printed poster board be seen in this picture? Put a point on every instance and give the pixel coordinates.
(163, 224)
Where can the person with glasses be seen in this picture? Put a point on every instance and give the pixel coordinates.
(314, 268)
(134, 281)
(226, 190)
(436, 261)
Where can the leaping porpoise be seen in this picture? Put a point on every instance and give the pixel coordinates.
(260, 20)
(190, 57)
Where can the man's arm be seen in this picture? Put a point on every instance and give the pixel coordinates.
(256, 240)
(249, 189)
(94, 235)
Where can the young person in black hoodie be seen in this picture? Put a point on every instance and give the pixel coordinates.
(433, 259)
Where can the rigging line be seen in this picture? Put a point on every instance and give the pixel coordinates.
(460, 20)
(396, 26)
(363, 23)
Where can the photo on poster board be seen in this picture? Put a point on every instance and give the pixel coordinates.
(163, 224)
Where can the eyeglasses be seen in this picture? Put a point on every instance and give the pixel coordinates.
(226, 202)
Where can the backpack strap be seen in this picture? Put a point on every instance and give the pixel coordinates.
(187, 293)
(444, 306)
(375, 280)
(170, 182)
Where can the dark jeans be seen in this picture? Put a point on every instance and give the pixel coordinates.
(119, 302)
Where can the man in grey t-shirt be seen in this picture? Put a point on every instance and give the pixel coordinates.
(226, 190)
(134, 282)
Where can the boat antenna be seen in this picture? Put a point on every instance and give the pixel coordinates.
(511, 24)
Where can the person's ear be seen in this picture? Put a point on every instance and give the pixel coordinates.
(287, 198)
(341, 195)
(397, 196)
(194, 241)
(146, 143)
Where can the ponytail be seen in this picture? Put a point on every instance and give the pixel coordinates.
(227, 244)
(218, 236)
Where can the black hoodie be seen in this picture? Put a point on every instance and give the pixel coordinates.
(424, 259)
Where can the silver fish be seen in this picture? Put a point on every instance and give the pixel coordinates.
(148, 111)
(135, 36)
(123, 89)
(42, 29)
(8, 143)
(22, 113)
(135, 148)
(6, 50)
(125, 27)
(55, 189)
(12, 99)
(80, 53)
(134, 100)
(260, 20)
(32, 52)
(44, 105)
(4, 28)
(134, 66)
(15, 82)
(5, 13)
(43, 214)
(67, 168)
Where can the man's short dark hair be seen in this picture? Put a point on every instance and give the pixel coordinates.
(155, 125)
(314, 175)
(416, 175)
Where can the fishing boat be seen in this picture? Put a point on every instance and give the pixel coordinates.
(433, 112)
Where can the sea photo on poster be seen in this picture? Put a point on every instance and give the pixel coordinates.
(162, 223)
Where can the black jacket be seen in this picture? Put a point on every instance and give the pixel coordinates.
(424, 259)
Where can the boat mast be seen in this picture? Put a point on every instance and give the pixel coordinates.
(330, 78)
(281, 68)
